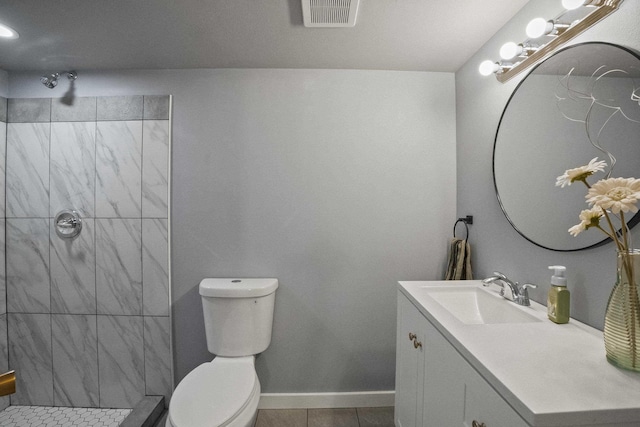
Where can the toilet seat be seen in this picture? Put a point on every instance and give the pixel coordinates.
(214, 393)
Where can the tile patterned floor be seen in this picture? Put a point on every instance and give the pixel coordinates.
(45, 416)
(350, 417)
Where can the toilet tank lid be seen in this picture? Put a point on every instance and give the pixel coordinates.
(237, 287)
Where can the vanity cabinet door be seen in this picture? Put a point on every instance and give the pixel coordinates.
(444, 381)
(485, 406)
(409, 365)
(455, 395)
(436, 386)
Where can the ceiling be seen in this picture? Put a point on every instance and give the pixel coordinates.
(420, 35)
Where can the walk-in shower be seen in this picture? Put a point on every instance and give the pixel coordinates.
(84, 282)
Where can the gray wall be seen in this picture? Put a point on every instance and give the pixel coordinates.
(480, 101)
(338, 183)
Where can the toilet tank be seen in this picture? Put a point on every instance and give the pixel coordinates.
(238, 315)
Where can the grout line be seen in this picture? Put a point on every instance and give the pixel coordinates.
(50, 224)
(141, 216)
(85, 314)
(95, 250)
(50, 216)
(4, 273)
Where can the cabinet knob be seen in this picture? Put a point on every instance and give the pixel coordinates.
(417, 344)
(477, 424)
(412, 336)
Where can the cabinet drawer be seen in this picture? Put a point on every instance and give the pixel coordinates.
(485, 406)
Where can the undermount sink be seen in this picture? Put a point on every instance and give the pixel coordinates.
(472, 305)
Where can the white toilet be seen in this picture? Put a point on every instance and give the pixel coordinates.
(238, 317)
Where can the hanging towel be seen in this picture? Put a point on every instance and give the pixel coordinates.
(459, 265)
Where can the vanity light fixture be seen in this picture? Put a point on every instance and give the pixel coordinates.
(511, 50)
(546, 36)
(489, 67)
(539, 27)
(7, 32)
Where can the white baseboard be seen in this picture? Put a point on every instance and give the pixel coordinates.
(364, 399)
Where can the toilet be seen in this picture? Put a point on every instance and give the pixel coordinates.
(238, 318)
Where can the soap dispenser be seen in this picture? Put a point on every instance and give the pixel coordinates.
(558, 300)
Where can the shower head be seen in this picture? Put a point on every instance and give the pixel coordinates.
(51, 80)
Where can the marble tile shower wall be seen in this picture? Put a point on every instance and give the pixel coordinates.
(4, 349)
(87, 318)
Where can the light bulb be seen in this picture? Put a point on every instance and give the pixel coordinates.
(488, 67)
(572, 4)
(539, 27)
(8, 32)
(510, 50)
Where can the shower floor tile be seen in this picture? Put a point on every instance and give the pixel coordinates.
(46, 416)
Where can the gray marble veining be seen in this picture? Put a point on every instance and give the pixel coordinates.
(121, 360)
(30, 354)
(73, 170)
(28, 287)
(4, 349)
(118, 169)
(119, 266)
(155, 267)
(73, 271)
(27, 170)
(83, 109)
(155, 168)
(3, 109)
(28, 110)
(157, 356)
(75, 360)
(3, 158)
(120, 108)
(4, 356)
(156, 107)
(3, 270)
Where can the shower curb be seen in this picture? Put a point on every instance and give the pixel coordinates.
(146, 412)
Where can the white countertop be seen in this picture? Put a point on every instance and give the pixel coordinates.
(552, 375)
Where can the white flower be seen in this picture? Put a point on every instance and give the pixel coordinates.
(581, 173)
(588, 218)
(615, 194)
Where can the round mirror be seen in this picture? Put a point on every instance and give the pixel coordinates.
(582, 102)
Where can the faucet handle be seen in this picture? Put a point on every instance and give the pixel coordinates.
(523, 297)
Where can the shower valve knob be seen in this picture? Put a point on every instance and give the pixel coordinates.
(68, 224)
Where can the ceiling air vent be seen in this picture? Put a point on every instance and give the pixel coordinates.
(329, 13)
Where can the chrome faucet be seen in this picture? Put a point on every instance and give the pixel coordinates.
(512, 291)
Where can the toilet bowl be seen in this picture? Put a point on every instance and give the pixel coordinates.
(224, 392)
(238, 318)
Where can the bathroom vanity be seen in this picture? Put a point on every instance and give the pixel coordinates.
(468, 357)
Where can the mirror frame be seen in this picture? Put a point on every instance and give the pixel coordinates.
(630, 223)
